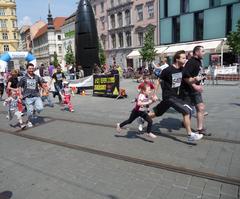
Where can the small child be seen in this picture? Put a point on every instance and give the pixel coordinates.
(14, 105)
(45, 94)
(66, 95)
(139, 110)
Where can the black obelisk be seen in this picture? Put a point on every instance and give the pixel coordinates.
(86, 37)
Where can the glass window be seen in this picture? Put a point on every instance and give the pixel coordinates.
(129, 39)
(165, 8)
(104, 43)
(113, 40)
(198, 26)
(120, 20)
(120, 38)
(229, 19)
(4, 35)
(139, 12)
(2, 11)
(176, 29)
(5, 47)
(59, 37)
(184, 6)
(102, 6)
(128, 17)
(214, 3)
(13, 12)
(102, 19)
(140, 38)
(15, 35)
(150, 8)
(113, 21)
(59, 48)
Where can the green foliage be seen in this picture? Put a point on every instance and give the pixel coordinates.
(101, 54)
(233, 40)
(148, 51)
(55, 60)
(69, 57)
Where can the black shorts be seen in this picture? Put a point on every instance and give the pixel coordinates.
(193, 99)
(1, 88)
(178, 104)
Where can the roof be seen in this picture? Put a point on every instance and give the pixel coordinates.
(57, 23)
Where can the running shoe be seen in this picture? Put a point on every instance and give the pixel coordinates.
(140, 127)
(205, 114)
(118, 128)
(29, 124)
(194, 137)
(23, 126)
(151, 135)
(204, 132)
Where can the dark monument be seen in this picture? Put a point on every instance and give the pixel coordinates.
(86, 37)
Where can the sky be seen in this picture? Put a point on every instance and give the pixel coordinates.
(30, 11)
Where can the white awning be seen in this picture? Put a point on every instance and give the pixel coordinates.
(161, 49)
(134, 54)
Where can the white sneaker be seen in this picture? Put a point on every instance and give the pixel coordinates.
(140, 127)
(7, 117)
(23, 126)
(194, 137)
(151, 135)
(29, 124)
(118, 128)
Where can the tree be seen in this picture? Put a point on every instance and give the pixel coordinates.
(55, 59)
(69, 57)
(148, 51)
(101, 54)
(233, 40)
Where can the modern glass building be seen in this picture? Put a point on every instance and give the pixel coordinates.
(183, 21)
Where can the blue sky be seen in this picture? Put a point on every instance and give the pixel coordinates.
(29, 11)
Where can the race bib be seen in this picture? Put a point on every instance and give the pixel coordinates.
(31, 84)
(176, 80)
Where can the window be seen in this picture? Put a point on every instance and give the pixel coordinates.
(139, 9)
(184, 6)
(113, 21)
(4, 35)
(140, 38)
(198, 26)
(102, 6)
(104, 43)
(59, 48)
(112, 3)
(176, 29)
(2, 11)
(229, 19)
(15, 35)
(165, 8)
(14, 24)
(129, 39)
(102, 19)
(3, 23)
(214, 3)
(120, 38)
(150, 8)
(120, 20)
(59, 37)
(127, 17)
(13, 12)
(113, 41)
(95, 9)
(5, 47)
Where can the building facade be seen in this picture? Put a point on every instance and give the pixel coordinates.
(8, 26)
(182, 21)
(48, 40)
(25, 43)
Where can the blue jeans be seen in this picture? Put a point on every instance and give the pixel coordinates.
(33, 103)
(49, 101)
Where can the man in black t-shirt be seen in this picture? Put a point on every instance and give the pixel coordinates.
(58, 78)
(190, 90)
(171, 79)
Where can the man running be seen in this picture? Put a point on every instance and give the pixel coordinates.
(191, 90)
(171, 79)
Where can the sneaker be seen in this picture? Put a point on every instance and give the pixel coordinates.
(140, 127)
(29, 124)
(205, 114)
(7, 117)
(204, 132)
(151, 135)
(194, 137)
(118, 128)
(72, 110)
(23, 126)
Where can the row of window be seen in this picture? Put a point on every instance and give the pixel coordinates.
(150, 11)
(120, 39)
(3, 13)
(113, 4)
(5, 35)
(3, 23)
(120, 19)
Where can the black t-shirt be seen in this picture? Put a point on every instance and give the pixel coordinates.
(171, 79)
(191, 69)
(58, 77)
(14, 82)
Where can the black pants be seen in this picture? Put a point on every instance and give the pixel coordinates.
(1, 88)
(135, 114)
(58, 89)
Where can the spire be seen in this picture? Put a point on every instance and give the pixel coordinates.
(50, 19)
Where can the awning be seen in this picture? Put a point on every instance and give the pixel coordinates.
(161, 49)
(134, 54)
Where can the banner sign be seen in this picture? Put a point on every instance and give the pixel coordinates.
(106, 85)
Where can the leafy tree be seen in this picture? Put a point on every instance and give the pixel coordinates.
(233, 40)
(69, 57)
(101, 54)
(55, 59)
(148, 51)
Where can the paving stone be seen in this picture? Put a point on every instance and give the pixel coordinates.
(227, 197)
(228, 189)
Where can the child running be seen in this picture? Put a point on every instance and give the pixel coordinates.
(66, 95)
(139, 110)
(45, 94)
(14, 105)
